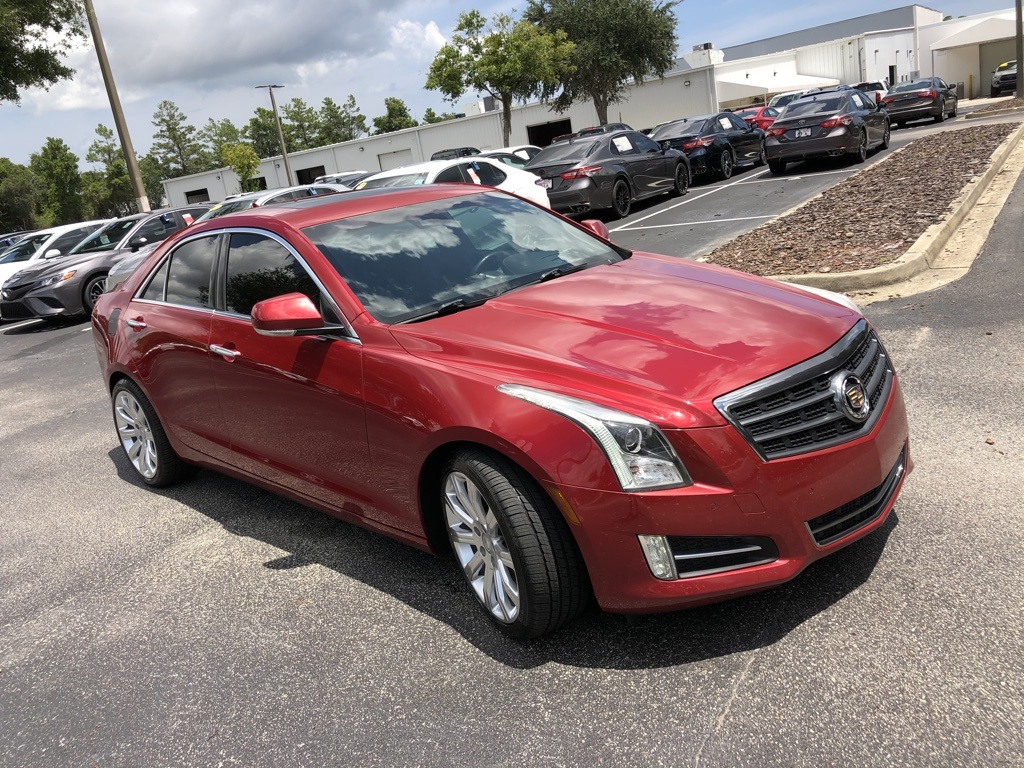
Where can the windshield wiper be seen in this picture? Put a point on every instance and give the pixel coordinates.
(551, 274)
(449, 308)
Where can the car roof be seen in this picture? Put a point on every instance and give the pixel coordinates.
(427, 166)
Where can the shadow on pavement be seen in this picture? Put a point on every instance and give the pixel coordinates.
(435, 586)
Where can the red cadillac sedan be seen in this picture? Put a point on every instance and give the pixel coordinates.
(468, 372)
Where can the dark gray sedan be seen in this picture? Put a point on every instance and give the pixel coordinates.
(919, 99)
(608, 171)
(839, 123)
(70, 286)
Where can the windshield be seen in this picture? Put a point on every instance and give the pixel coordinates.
(1006, 65)
(402, 180)
(106, 238)
(23, 251)
(227, 207)
(813, 106)
(409, 262)
(679, 127)
(913, 85)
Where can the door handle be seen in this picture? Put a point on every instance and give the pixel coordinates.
(137, 325)
(227, 354)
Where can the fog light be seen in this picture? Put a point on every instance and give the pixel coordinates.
(659, 557)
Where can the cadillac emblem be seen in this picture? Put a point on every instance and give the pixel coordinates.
(850, 397)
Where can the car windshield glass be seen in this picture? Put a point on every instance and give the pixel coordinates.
(563, 152)
(106, 238)
(1006, 65)
(679, 127)
(746, 112)
(407, 262)
(402, 180)
(229, 207)
(23, 251)
(814, 106)
(913, 85)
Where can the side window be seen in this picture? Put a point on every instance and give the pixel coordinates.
(69, 240)
(157, 229)
(621, 145)
(738, 123)
(188, 276)
(771, 112)
(449, 175)
(645, 144)
(155, 290)
(189, 215)
(488, 174)
(260, 268)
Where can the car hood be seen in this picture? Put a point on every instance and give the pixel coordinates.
(652, 335)
(45, 268)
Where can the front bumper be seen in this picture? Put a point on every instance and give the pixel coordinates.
(838, 142)
(779, 501)
(52, 301)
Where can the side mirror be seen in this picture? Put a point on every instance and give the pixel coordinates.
(53, 253)
(290, 315)
(597, 227)
(137, 242)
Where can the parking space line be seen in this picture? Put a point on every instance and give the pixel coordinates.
(707, 221)
(789, 178)
(22, 324)
(682, 202)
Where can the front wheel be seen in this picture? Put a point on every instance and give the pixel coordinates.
(725, 165)
(622, 199)
(143, 438)
(777, 167)
(886, 135)
(682, 180)
(92, 291)
(953, 113)
(514, 547)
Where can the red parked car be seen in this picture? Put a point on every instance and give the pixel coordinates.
(468, 372)
(761, 117)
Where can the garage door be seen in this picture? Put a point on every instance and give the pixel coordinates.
(397, 159)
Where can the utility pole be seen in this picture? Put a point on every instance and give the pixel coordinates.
(280, 133)
(115, 105)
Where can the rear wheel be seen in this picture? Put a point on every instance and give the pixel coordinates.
(682, 180)
(942, 113)
(777, 167)
(762, 157)
(725, 164)
(92, 291)
(862, 151)
(143, 438)
(622, 199)
(514, 547)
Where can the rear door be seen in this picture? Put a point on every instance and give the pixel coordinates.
(745, 139)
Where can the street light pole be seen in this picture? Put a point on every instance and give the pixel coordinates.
(141, 200)
(280, 133)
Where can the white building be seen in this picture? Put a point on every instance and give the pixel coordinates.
(892, 45)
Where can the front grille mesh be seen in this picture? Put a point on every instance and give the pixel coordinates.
(795, 412)
(855, 514)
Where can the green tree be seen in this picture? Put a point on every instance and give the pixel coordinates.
(301, 125)
(34, 36)
(509, 60)
(109, 191)
(217, 135)
(340, 123)
(618, 44)
(243, 160)
(20, 197)
(176, 143)
(396, 118)
(261, 132)
(57, 168)
(431, 117)
(153, 174)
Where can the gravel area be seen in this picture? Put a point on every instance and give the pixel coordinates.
(871, 218)
(998, 106)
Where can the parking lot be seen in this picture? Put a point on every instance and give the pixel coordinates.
(215, 624)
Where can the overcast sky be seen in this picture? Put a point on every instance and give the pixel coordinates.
(206, 56)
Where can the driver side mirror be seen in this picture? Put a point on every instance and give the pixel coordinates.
(53, 253)
(597, 227)
(137, 242)
(290, 315)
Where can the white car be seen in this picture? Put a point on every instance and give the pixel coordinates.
(525, 151)
(49, 243)
(463, 170)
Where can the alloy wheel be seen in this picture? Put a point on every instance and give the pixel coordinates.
(480, 547)
(136, 434)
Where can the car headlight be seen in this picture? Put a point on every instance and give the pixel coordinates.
(640, 455)
(54, 279)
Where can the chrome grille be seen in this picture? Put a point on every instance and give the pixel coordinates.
(795, 411)
(705, 555)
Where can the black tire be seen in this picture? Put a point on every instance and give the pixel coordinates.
(955, 105)
(622, 199)
(163, 466)
(900, 124)
(549, 575)
(762, 156)
(942, 113)
(725, 165)
(92, 290)
(886, 136)
(681, 180)
(777, 167)
(862, 149)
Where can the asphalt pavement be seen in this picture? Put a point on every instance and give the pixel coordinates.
(215, 624)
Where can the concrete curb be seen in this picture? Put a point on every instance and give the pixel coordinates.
(928, 246)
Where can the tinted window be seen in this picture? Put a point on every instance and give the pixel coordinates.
(188, 278)
(155, 290)
(106, 238)
(23, 250)
(644, 144)
(69, 240)
(738, 123)
(563, 152)
(158, 229)
(678, 128)
(486, 173)
(449, 175)
(814, 106)
(621, 145)
(261, 268)
(913, 85)
(403, 180)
